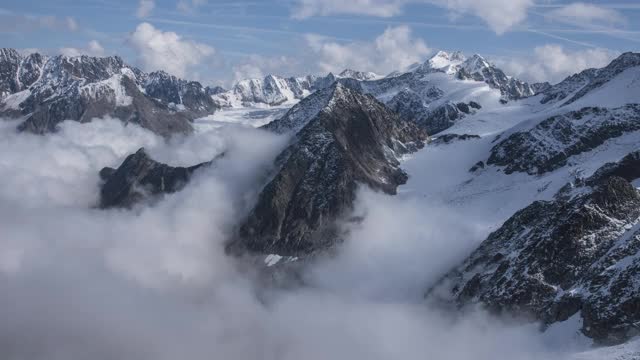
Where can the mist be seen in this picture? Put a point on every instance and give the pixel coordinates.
(154, 282)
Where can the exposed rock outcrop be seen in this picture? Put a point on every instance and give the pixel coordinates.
(139, 178)
(548, 145)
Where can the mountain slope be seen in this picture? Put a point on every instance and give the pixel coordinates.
(579, 252)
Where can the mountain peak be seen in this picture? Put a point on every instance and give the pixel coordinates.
(358, 75)
(476, 63)
(444, 61)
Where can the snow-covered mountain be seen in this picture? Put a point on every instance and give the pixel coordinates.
(548, 174)
(43, 91)
(274, 90)
(270, 91)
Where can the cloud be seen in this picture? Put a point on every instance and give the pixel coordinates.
(553, 63)
(189, 6)
(145, 8)
(158, 50)
(93, 48)
(394, 49)
(586, 13)
(71, 23)
(500, 15)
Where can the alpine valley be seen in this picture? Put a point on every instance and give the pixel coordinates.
(541, 181)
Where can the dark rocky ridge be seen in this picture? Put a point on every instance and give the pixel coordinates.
(46, 91)
(353, 139)
(139, 178)
(548, 145)
(579, 253)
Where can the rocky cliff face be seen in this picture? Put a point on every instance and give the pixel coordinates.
(548, 145)
(478, 69)
(352, 139)
(576, 254)
(271, 90)
(181, 95)
(141, 178)
(46, 91)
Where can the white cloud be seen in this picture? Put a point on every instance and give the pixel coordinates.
(189, 6)
(93, 48)
(500, 15)
(158, 50)
(394, 49)
(145, 8)
(553, 63)
(586, 13)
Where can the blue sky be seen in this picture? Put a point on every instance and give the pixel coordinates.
(219, 41)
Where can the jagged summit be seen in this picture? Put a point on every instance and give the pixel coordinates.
(446, 62)
(298, 116)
